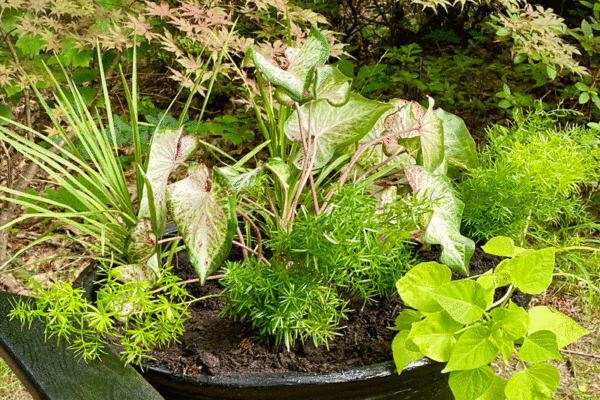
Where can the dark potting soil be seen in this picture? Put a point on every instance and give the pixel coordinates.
(216, 345)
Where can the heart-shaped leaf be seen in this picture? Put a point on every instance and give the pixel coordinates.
(538, 382)
(204, 211)
(169, 148)
(402, 355)
(474, 348)
(434, 336)
(471, 384)
(141, 242)
(532, 273)
(413, 120)
(464, 300)
(416, 285)
(377, 153)
(538, 347)
(332, 127)
(444, 226)
(298, 76)
(513, 321)
(566, 330)
(331, 84)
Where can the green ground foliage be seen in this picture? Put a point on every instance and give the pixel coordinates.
(531, 180)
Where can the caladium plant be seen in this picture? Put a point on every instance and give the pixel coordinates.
(321, 129)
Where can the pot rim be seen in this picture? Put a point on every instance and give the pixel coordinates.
(265, 379)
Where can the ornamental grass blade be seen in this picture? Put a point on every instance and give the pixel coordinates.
(204, 210)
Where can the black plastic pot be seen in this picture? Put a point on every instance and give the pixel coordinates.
(420, 380)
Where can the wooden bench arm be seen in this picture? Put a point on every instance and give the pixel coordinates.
(50, 371)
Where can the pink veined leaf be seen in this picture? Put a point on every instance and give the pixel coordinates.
(204, 210)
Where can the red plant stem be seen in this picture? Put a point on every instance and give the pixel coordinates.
(258, 236)
(242, 244)
(255, 204)
(306, 167)
(354, 159)
(244, 247)
(381, 164)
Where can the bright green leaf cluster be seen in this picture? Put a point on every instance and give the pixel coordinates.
(455, 322)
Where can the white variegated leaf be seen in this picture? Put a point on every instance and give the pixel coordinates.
(204, 211)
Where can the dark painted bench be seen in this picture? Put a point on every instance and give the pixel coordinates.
(54, 372)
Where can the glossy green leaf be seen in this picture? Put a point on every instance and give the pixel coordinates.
(500, 246)
(538, 382)
(71, 55)
(566, 330)
(30, 45)
(331, 85)
(488, 282)
(5, 112)
(495, 391)
(514, 321)
(406, 318)
(532, 273)
(434, 336)
(586, 28)
(402, 355)
(464, 300)
(538, 347)
(459, 146)
(332, 127)
(204, 211)
(473, 349)
(471, 384)
(416, 285)
(444, 225)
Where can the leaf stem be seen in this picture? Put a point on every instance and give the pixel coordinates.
(359, 152)
(505, 298)
(256, 229)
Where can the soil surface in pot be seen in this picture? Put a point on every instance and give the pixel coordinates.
(216, 345)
